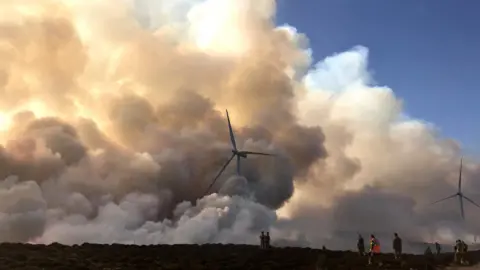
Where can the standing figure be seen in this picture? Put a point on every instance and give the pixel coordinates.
(397, 246)
(361, 245)
(438, 248)
(463, 252)
(267, 240)
(262, 240)
(458, 251)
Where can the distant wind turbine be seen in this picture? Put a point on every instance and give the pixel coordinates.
(459, 194)
(235, 153)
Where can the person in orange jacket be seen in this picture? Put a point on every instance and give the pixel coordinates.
(374, 248)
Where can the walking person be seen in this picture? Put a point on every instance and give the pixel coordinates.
(361, 245)
(397, 246)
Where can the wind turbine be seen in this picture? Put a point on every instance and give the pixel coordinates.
(235, 153)
(459, 194)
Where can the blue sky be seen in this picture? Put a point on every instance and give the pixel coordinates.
(427, 51)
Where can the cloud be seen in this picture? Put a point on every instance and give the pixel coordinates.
(382, 169)
(114, 128)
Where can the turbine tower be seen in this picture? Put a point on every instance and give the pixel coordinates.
(459, 194)
(235, 153)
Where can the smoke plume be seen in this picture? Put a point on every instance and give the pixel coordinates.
(113, 126)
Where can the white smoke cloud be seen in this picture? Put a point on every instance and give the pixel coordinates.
(383, 169)
(113, 129)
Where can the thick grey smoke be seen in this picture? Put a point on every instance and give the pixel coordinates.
(113, 128)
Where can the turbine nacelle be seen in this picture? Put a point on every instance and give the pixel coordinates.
(241, 154)
(235, 153)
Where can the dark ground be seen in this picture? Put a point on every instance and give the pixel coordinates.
(193, 257)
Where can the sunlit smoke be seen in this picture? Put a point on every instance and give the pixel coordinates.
(113, 127)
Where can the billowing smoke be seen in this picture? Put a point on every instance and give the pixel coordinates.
(113, 128)
(383, 168)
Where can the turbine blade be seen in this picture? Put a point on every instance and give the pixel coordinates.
(471, 201)
(449, 197)
(460, 176)
(460, 198)
(232, 136)
(257, 153)
(220, 172)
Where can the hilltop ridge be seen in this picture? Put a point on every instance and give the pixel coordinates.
(196, 257)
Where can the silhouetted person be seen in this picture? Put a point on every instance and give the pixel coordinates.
(267, 240)
(397, 246)
(455, 251)
(438, 248)
(458, 249)
(361, 245)
(464, 249)
(262, 240)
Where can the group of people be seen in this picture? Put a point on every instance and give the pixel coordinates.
(265, 240)
(460, 247)
(460, 250)
(375, 246)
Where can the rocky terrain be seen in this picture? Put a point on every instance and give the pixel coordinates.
(193, 257)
